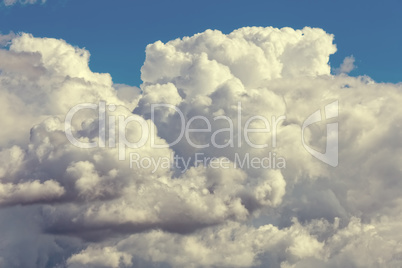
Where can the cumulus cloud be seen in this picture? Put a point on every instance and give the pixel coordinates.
(118, 205)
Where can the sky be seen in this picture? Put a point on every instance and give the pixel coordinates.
(200, 134)
(116, 33)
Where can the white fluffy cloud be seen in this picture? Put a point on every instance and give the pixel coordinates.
(87, 208)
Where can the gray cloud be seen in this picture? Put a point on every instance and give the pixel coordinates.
(5, 39)
(347, 66)
(22, 2)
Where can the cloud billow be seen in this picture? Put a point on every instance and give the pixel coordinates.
(90, 208)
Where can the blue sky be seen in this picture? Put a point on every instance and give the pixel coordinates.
(117, 32)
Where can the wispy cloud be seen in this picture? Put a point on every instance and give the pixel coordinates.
(346, 66)
(22, 2)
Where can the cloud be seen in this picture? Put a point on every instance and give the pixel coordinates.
(5, 39)
(100, 257)
(116, 206)
(22, 2)
(347, 66)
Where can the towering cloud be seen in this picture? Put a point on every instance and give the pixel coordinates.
(146, 194)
